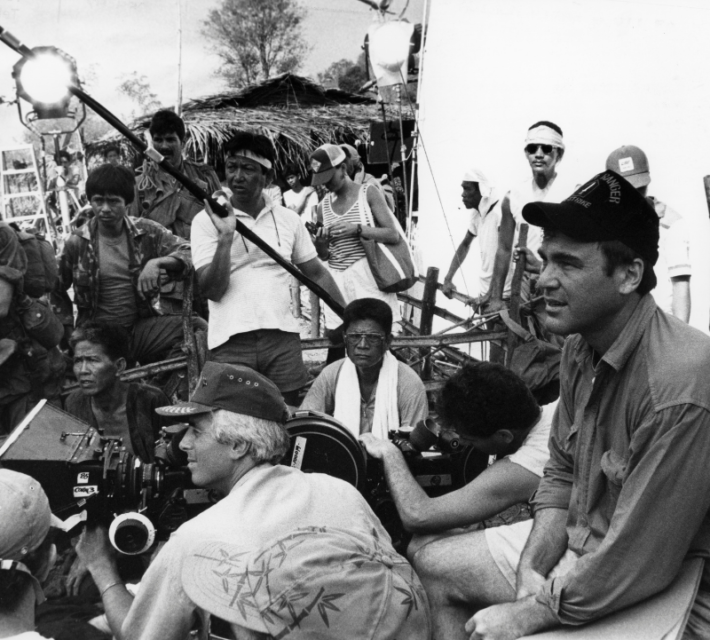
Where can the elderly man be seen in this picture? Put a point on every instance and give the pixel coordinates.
(344, 563)
(480, 198)
(490, 408)
(114, 264)
(624, 498)
(250, 321)
(159, 196)
(369, 391)
(26, 553)
(544, 148)
(674, 268)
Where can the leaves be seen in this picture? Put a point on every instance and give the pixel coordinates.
(256, 39)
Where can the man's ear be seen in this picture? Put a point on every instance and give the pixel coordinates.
(120, 365)
(503, 436)
(239, 450)
(629, 276)
(388, 341)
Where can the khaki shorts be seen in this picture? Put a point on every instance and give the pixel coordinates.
(506, 544)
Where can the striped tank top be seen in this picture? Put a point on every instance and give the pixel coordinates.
(344, 252)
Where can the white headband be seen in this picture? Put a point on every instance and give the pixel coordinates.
(245, 153)
(476, 175)
(543, 134)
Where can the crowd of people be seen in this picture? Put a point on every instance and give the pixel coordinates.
(612, 468)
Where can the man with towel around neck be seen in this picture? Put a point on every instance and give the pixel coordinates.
(369, 390)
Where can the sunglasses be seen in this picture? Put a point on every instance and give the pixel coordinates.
(371, 339)
(532, 148)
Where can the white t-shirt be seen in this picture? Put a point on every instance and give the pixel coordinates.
(673, 254)
(258, 293)
(528, 191)
(535, 451)
(293, 200)
(485, 225)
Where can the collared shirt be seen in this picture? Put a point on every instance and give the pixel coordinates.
(266, 502)
(629, 461)
(163, 199)
(258, 295)
(79, 262)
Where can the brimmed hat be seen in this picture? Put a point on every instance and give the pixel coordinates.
(234, 388)
(324, 160)
(608, 207)
(630, 162)
(314, 582)
(25, 516)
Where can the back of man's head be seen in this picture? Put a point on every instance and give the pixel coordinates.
(112, 338)
(109, 179)
(483, 398)
(25, 519)
(165, 122)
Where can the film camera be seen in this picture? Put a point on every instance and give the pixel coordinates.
(80, 469)
(439, 462)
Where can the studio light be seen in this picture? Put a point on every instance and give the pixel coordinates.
(390, 44)
(44, 79)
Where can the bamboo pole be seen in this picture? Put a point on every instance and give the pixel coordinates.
(515, 288)
(427, 319)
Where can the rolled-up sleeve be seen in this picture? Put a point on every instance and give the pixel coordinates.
(172, 246)
(664, 496)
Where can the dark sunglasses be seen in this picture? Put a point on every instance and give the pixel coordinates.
(532, 148)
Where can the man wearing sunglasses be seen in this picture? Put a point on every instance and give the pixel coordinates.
(369, 390)
(544, 149)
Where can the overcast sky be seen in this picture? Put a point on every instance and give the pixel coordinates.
(113, 38)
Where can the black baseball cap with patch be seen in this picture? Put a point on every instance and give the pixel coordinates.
(235, 388)
(608, 207)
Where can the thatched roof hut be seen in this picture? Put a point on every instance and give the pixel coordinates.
(294, 112)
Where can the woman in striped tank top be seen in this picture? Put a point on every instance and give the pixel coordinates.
(339, 239)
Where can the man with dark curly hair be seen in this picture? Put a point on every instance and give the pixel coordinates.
(491, 408)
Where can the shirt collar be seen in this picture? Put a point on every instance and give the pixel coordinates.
(269, 205)
(627, 341)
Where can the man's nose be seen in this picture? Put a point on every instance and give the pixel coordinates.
(186, 442)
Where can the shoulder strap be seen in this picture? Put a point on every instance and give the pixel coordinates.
(365, 211)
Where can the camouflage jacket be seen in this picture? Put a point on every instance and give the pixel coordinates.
(161, 198)
(79, 262)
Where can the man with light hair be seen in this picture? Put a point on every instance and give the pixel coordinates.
(544, 149)
(672, 293)
(26, 553)
(283, 552)
(483, 202)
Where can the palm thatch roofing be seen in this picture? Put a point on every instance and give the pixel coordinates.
(294, 112)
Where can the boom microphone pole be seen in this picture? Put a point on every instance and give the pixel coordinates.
(11, 41)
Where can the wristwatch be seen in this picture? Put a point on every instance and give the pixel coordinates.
(358, 231)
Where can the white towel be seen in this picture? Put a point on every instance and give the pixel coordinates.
(347, 398)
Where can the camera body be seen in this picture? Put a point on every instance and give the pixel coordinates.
(320, 444)
(82, 470)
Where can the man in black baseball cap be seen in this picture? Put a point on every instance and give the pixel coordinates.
(234, 444)
(625, 495)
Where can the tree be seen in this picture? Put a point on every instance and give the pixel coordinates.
(347, 75)
(137, 89)
(256, 39)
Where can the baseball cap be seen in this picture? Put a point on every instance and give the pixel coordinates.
(630, 162)
(235, 388)
(25, 516)
(324, 160)
(607, 207)
(307, 584)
